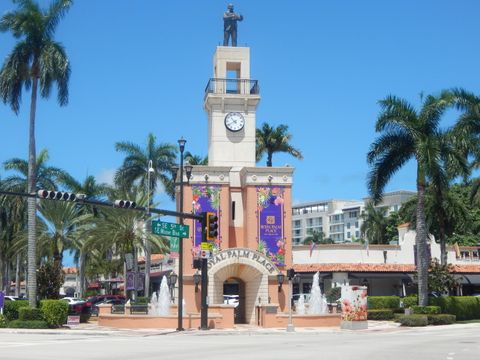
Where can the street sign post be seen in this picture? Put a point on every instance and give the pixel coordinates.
(170, 229)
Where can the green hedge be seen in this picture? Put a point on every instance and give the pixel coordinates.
(3, 321)
(10, 309)
(410, 301)
(413, 320)
(380, 314)
(464, 307)
(426, 310)
(141, 300)
(26, 314)
(383, 302)
(55, 312)
(441, 319)
(28, 324)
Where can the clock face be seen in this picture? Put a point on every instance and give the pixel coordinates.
(234, 121)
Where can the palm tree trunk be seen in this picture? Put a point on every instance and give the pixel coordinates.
(269, 158)
(31, 203)
(421, 241)
(17, 275)
(81, 274)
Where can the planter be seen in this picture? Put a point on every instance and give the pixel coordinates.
(353, 325)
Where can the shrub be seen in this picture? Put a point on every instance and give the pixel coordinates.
(26, 313)
(28, 324)
(10, 309)
(426, 310)
(380, 314)
(3, 321)
(413, 320)
(464, 307)
(141, 300)
(410, 301)
(383, 302)
(55, 312)
(441, 319)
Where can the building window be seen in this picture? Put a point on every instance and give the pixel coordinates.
(348, 235)
(357, 234)
(348, 225)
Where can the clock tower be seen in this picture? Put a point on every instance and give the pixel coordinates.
(231, 101)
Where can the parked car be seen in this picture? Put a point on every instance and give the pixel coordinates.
(93, 300)
(231, 299)
(94, 310)
(12, 298)
(76, 305)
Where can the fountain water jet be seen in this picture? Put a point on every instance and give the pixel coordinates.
(317, 304)
(301, 305)
(163, 302)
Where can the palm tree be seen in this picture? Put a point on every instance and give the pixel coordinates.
(195, 159)
(135, 166)
(374, 226)
(317, 237)
(93, 191)
(270, 140)
(36, 62)
(136, 169)
(406, 134)
(121, 230)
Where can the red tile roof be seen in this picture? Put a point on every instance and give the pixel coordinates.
(153, 258)
(70, 270)
(402, 268)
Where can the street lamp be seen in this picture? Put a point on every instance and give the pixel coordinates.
(196, 279)
(292, 278)
(280, 280)
(188, 170)
(150, 170)
(171, 281)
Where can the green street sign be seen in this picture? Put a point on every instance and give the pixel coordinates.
(174, 244)
(170, 229)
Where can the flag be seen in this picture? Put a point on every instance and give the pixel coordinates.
(312, 247)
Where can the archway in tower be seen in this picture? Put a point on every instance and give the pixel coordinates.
(234, 294)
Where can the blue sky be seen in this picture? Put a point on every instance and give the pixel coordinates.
(142, 66)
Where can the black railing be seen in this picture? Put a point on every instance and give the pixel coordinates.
(232, 86)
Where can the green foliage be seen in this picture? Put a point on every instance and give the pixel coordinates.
(410, 301)
(50, 279)
(141, 300)
(333, 294)
(383, 302)
(27, 314)
(28, 324)
(55, 312)
(413, 320)
(440, 277)
(380, 314)
(3, 321)
(464, 307)
(274, 139)
(10, 309)
(441, 319)
(426, 310)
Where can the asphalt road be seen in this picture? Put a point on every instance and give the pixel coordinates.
(405, 344)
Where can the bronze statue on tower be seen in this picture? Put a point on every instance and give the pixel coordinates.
(230, 25)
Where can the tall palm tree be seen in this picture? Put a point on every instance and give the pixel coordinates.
(136, 169)
(36, 62)
(374, 226)
(317, 237)
(407, 134)
(271, 139)
(195, 159)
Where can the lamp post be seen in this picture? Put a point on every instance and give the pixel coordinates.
(171, 281)
(150, 170)
(292, 278)
(188, 170)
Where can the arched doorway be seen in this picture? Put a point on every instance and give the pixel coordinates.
(234, 294)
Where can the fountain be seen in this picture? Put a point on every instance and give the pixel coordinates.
(153, 304)
(317, 303)
(163, 301)
(301, 305)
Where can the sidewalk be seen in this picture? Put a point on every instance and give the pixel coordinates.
(92, 328)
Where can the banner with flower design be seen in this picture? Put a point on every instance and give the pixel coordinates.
(206, 198)
(354, 303)
(271, 242)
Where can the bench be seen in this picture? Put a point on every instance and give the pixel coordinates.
(118, 309)
(139, 309)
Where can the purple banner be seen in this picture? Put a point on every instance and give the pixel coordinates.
(131, 281)
(271, 241)
(206, 199)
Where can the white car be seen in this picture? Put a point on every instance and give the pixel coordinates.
(11, 298)
(73, 300)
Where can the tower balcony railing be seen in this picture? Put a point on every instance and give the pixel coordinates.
(232, 86)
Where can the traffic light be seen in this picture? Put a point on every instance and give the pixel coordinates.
(125, 204)
(290, 274)
(59, 195)
(212, 226)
